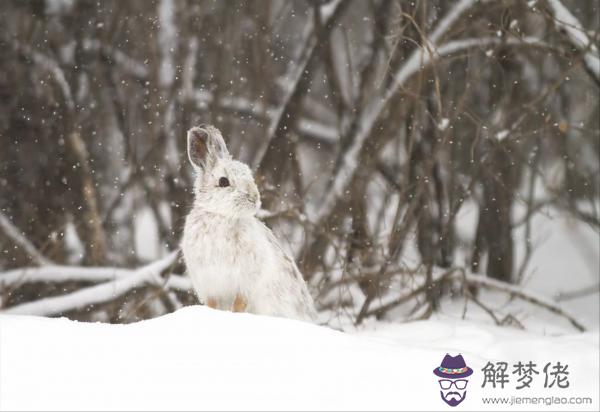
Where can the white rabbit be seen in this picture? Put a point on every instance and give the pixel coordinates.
(234, 260)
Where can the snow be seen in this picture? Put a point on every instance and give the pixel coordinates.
(199, 358)
(443, 124)
(501, 135)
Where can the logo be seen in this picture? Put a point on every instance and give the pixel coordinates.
(453, 383)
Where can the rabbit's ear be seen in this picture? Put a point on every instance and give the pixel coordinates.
(205, 145)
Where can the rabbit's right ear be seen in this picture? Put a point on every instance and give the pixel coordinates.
(205, 145)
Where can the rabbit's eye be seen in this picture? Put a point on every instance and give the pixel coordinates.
(223, 182)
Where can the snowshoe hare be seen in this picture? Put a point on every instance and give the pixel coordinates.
(234, 260)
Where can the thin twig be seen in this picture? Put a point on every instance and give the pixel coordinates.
(14, 234)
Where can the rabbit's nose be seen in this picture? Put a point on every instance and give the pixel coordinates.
(253, 193)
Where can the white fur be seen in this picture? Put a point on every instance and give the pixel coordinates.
(227, 250)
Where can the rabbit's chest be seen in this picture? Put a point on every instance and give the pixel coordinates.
(228, 248)
(222, 257)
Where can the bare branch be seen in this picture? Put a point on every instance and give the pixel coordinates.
(489, 283)
(521, 293)
(14, 234)
(93, 221)
(378, 104)
(49, 64)
(294, 92)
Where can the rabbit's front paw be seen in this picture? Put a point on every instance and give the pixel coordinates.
(211, 303)
(239, 304)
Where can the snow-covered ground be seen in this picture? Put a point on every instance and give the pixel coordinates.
(198, 358)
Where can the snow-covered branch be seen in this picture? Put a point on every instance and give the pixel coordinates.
(14, 234)
(568, 24)
(60, 273)
(123, 282)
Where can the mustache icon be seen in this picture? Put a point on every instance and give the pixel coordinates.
(451, 395)
(453, 398)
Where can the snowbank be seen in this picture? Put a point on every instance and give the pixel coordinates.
(198, 358)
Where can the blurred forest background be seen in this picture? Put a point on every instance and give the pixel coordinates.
(370, 126)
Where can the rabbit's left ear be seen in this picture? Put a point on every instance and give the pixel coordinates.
(205, 145)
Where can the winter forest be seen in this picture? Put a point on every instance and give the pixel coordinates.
(371, 127)
(419, 159)
(429, 165)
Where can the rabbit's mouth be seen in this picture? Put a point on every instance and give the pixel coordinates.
(249, 203)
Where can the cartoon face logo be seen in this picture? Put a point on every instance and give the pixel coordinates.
(452, 373)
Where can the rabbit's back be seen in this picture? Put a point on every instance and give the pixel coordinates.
(283, 292)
